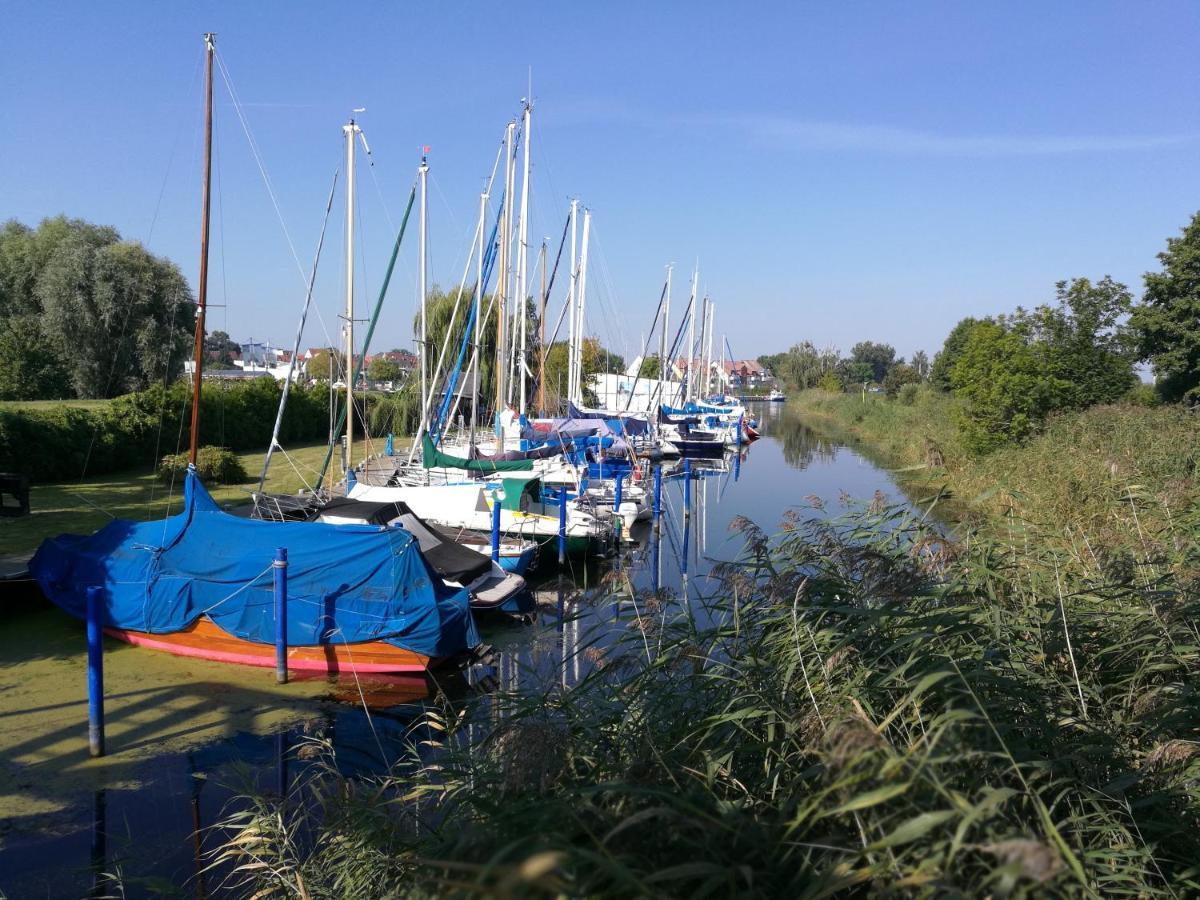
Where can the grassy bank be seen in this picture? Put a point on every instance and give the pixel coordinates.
(1123, 475)
(83, 506)
(858, 708)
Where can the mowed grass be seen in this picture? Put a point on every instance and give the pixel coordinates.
(81, 507)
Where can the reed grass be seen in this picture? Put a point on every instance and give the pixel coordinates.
(1117, 473)
(862, 705)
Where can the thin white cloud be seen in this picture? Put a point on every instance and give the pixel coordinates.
(799, 134)
(807, 135)
(783, 133)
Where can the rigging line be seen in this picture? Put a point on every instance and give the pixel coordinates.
(238, 591)
(162, 407)
(653, 325)
(237, 106)
(171, 485)
(375, 178)
(183, 118)
(374, 317)
(224, 281)
(299, 334)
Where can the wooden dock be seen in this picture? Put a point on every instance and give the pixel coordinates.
(14, 568)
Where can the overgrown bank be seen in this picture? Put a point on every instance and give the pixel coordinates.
(1121, 474)
(858, 706)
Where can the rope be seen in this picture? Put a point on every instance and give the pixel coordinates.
(237, 106)
(239, 590)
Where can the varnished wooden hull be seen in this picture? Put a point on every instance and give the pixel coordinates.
(204, 640)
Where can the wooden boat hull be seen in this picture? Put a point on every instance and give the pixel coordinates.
(204, 640)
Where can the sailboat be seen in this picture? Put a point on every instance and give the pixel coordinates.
(361, 598)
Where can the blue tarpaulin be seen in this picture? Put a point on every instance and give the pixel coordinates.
(346, 583)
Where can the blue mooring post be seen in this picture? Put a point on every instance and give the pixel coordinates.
(617, 494)
(495, 527)
(739, 431)
(687, 488)
(562, 525)
(280, 566)
(95, 662)
(657, 491)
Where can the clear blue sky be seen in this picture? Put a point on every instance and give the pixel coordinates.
(841, 170)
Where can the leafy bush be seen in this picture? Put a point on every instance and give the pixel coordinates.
(898, 376)
(214, 465)
(908, 393)
(831, 383)
(1144, 395)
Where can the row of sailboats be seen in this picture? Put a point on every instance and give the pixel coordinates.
(384, 570)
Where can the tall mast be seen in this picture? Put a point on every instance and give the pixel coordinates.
(691, 344)
(502, 281)
(422, 256)
(523, 251)
(708, 351)
(571, 303)
(583, 267)
(477, 357)
(202, 286)
(721, 368)
(350, 131)
(662, 344)
(542, 338)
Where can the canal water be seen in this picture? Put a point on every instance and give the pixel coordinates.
(186, 737)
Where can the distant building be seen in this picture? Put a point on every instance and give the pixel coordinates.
(745, 373)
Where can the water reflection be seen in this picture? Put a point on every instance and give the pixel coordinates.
(558, 635)
(801, 445)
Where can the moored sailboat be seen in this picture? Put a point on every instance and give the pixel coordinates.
(360, 597)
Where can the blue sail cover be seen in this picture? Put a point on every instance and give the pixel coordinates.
(626, 423)
(346, 583)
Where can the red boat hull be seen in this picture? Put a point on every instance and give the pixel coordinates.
(204, 640)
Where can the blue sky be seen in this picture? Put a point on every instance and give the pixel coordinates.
(842, 171)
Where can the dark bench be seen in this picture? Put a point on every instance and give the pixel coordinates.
(15, 487)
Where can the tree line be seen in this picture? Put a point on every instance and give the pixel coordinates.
(1011, 371)
(84, 313)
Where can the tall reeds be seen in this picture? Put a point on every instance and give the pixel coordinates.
(863, 705)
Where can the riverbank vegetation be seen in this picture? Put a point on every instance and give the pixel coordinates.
(857, 704)
(1013, 372)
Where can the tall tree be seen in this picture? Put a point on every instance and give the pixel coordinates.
(1084, 340)
(944, 360)
(1167, 322)
(85, 311)
(879, 357)
(920, 362)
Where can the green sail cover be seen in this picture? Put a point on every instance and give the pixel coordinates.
(433, 458)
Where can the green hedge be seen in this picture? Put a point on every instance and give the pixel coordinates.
(137, 430)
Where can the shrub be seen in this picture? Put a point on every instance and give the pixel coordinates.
(898, 376)
(133, 430)
(1145, 395)
(214, 465)
(830, 382)
(908, 393)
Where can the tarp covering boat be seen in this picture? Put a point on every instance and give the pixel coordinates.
(433, 458)
(619, 422)
(346, 583)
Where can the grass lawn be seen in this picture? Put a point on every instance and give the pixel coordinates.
(83, 506)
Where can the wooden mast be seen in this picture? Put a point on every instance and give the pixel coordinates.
(202, 287)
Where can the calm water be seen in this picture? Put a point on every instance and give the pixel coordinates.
(197, 734)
